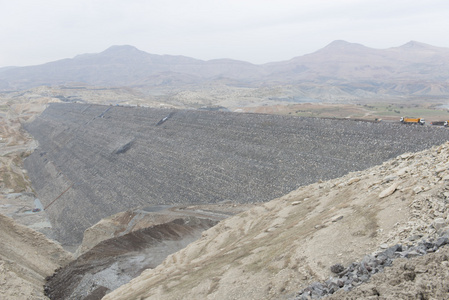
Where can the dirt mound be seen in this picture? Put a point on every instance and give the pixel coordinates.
(280, 247)
(132, 220)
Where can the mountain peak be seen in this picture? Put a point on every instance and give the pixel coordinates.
(343, 45)
(120, 49)
(338, 46)
(415, 45)
(339, 43)
(113, 51)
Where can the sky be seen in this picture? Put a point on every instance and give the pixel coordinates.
(258, 31)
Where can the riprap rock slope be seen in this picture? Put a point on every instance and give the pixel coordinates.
(94, 161)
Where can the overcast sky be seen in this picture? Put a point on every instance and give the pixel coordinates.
(258, 31)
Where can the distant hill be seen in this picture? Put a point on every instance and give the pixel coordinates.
(2, 69)
(341, 60)
(339, 69)
(124, 66)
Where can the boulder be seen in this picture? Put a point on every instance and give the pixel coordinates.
(388, 191)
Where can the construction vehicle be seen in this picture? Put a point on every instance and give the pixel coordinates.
(419, 121)
(439, 123)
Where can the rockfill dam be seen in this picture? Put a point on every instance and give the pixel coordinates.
(94, 161)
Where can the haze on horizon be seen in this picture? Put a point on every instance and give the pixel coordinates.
(257, 31)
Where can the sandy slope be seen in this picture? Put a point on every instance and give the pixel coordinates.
(26, 258)
(16, 195)
(277, 248)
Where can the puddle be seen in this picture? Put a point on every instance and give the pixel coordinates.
(38, 204)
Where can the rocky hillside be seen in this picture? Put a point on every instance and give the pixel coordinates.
(276, 249)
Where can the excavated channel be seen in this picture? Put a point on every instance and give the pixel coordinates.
(94, 161)
(116, 261)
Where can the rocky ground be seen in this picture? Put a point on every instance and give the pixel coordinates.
(279, 248)
(423, 277)
(392, 218)
(345, 280)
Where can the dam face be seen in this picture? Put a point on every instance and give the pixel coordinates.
(94, 161)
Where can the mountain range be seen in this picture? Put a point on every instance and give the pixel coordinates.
(413, 69)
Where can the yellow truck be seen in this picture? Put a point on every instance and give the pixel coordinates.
(439, 123)
(407, 120)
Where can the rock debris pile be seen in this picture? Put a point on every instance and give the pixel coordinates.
(360, 272)
(94, 161)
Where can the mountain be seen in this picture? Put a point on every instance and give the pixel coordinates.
(341, 68)
(123, 66)
(343, 61)
(2, 69)
(414, 69)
